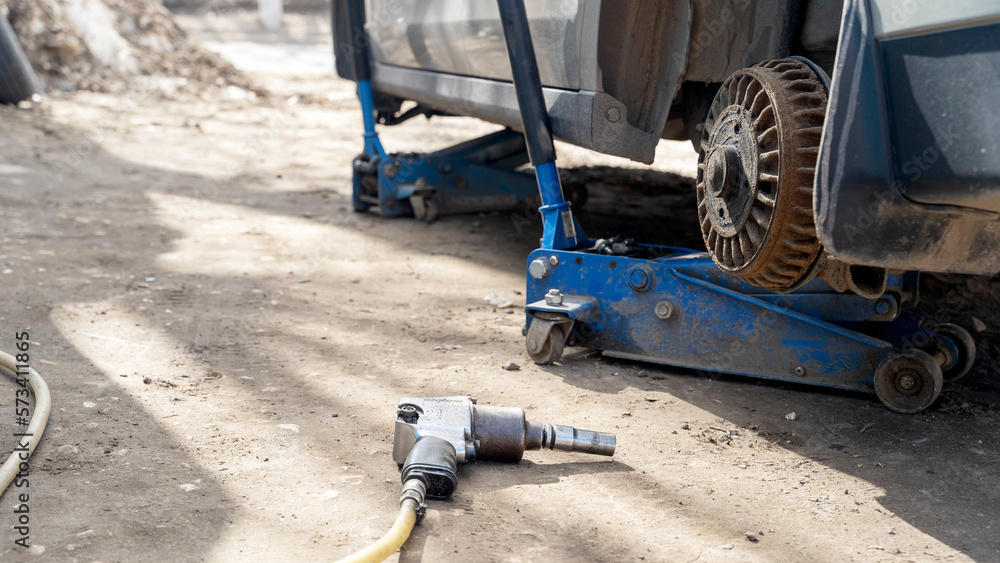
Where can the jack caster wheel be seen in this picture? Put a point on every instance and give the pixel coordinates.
(957, 349)
(545, 345)
(424, 208)
(359, 206)
(365, 184)
(908, 381)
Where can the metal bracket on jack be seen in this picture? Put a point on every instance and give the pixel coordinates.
(561, 230)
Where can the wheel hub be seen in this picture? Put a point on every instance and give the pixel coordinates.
(731, 178)
(723, 171)
(756, 171)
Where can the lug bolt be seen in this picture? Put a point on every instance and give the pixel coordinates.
(664, 309)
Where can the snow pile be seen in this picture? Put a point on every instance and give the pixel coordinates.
(109, 45)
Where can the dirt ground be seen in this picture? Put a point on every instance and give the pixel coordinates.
(226, 340)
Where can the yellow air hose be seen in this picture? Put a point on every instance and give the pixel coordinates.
(392, 540)
(33, 433)
(411, 509)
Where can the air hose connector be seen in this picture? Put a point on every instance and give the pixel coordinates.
(414, 492)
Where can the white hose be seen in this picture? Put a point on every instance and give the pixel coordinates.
(33, 433)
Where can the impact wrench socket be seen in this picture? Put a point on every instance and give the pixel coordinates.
(434, 435)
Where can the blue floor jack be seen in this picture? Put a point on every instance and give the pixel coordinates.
(476, 176)
(675, 306)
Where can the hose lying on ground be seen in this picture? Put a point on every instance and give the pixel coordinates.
(411, 507)
(33, 433)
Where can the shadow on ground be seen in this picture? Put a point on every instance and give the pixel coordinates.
(939, 468)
